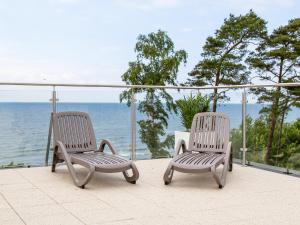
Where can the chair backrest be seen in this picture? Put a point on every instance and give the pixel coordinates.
(74, 130)
(209, 132)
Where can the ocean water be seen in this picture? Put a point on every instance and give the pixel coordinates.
(24, 127)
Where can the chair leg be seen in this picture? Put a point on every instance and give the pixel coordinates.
(84, 181)
(227, 161)
(168, 174)
(71, 169)
(221, 179)
(225, 169)
(216, 177)
(135, 174)
(54, 162)
(230, 167)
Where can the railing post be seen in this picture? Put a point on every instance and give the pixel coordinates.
(244, 113)
(54, 101)
(133, 126)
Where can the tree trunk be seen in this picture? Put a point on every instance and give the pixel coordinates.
(215, 100)
(215, 96)
(274, 116)
(284, 112)
(271, 132)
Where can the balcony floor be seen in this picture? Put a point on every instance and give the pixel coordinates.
(251, 196)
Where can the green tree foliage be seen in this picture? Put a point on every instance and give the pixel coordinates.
(156, 63)
(224, 53)
(190, 105)
(291, 143)
(257, 135)
(277, 60)
(255, 139)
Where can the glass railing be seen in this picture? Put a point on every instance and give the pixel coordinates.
(273, 130)
(24, 125)
(25, 115)
(110, 118)
(175, 129)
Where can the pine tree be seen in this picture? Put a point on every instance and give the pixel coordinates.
(277, 60)
(223, 54)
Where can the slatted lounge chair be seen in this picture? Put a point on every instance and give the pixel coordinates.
(76, 144)
(209, 147)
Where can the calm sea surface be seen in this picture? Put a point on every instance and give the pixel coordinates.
(24, 127)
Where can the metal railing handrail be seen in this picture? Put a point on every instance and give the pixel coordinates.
(149, 86)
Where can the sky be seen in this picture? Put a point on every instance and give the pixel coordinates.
(89, 41)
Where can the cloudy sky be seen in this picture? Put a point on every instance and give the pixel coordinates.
(89, 41)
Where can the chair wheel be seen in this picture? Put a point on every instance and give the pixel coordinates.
(220, 186)
(132, 182)
(83, 186)
(167, 183)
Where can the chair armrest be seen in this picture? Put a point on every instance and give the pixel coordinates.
(109, 144)
(180, 145)
(64, 151)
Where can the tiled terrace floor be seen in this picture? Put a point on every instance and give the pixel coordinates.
(251, 196)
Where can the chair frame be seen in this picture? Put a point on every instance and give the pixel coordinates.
(61, 154)
(182, 148)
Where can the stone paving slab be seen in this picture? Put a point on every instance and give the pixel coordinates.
(251, 196)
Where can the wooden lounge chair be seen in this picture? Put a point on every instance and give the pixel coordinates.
(209, 147)
(76, 144)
